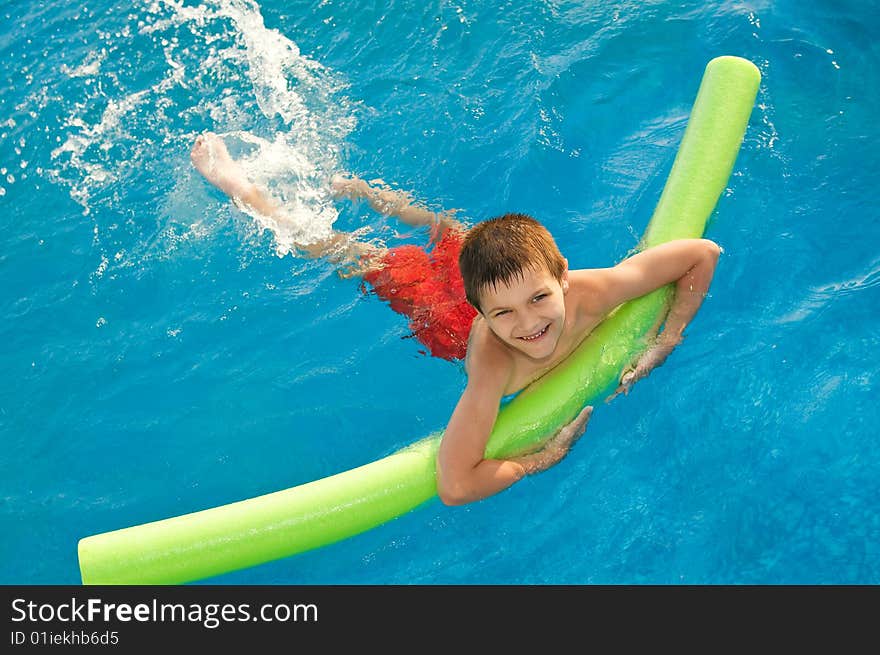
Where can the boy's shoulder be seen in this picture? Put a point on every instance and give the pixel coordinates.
(583, 275)
(584, 284)
(486, 352)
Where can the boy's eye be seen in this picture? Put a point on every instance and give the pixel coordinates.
(540, 296)
(502, 313)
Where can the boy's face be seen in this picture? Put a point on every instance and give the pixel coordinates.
(529, 313)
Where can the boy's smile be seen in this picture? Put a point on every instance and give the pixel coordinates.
(528, 314)
(537, 335)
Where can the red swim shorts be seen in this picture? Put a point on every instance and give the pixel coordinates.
(429, 290)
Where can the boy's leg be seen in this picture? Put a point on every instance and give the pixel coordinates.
(387, 201)
(211, 158)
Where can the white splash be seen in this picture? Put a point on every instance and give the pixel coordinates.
(216, 65)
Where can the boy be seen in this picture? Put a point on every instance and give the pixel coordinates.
(533, 312)
(510, 308)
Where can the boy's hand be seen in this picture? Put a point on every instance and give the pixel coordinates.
(653, 357)
(557, 446)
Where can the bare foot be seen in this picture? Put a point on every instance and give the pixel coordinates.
(211, 158)
(381, 197)
(348, 187)
(389, 202)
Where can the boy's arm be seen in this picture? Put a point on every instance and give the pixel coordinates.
(463, 475)
(689, 263)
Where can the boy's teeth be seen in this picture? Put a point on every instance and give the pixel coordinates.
(534, 336)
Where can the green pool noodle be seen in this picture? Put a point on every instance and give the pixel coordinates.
(276, 525)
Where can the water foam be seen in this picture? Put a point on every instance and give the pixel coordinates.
(213, 66)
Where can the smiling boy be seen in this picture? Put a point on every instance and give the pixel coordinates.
(532, 313)
(501, 296)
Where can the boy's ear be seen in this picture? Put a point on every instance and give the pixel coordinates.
(564, 280)
(477, 309)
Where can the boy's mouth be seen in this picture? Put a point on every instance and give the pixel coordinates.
(536, 335)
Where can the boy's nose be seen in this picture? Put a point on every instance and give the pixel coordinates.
(529, 323)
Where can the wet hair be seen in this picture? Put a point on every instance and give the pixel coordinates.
(501, 249)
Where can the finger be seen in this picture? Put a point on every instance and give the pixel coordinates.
(583, 417)
(582, 420)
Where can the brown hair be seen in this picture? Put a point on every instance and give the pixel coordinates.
(500, 249)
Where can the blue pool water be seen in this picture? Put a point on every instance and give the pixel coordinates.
(162, 354)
